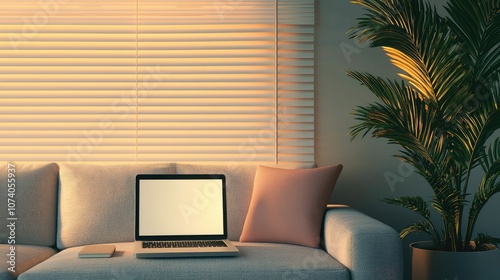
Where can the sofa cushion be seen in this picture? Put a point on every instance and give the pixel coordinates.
(35, 203)
(256, 261)
(26, 256)
(239, 184)
(288, 204)
(96, 202)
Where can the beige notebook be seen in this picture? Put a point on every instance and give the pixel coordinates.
(97, 251)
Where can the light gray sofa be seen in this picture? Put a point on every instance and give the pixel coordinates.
(62, 207)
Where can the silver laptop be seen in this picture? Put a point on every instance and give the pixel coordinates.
(181, 216)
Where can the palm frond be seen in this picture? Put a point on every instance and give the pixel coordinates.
(403, 119)
(419, 42)
(416, 227)
(472, 133)
(448, 202)
(489, 186)
(416, 204)
(393, 94)
(479, 37)
(483, 240)
(490, 155)
(422, 227)
(379, 15)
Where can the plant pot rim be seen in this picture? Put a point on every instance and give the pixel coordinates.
(429, 246)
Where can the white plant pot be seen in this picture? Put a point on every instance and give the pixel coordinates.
(429, 264)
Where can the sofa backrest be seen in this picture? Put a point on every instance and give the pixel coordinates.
(79, 204)
(96, 202)
(33, 201)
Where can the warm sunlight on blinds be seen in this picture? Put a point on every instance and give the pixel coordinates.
(296, 80)
(209, 99)
(156, 80)
(62, 68)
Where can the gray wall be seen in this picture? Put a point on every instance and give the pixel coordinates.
(367, 162)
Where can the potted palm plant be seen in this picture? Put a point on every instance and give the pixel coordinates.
(443, 111)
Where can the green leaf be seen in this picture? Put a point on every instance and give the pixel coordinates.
(415, 228)
(490, 185)
(490, 155)
(482, 240)
(416, 204)
(479, 37)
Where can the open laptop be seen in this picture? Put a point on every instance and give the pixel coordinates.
(181, 216)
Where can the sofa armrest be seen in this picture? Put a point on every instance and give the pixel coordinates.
(367, 247)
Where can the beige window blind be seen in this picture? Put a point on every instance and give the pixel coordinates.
(295, 86)
(156, 80)
(63, 64)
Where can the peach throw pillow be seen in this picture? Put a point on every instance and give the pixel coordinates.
(288, 205)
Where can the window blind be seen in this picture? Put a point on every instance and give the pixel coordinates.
(296, 81)
(157, 80)
(63, 64)
(214, 93)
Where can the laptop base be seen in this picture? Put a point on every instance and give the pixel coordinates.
(143, 253)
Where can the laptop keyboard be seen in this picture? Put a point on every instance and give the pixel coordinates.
(183, 244)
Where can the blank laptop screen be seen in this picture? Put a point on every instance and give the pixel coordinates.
(177, 207)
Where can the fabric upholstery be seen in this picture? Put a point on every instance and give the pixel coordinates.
(369, 248)
(27, 256)
(96, 202)
(239, 185)
(256, 261)
(287, 205)
(35, 203)
(97, 206)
